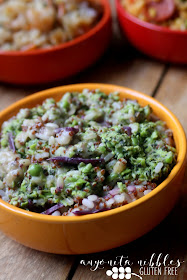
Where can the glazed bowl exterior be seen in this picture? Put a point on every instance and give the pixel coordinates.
(101, 231)
(156, 41)
(58, 62)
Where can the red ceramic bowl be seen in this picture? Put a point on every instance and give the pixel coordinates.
(61, 61)
(157, 41)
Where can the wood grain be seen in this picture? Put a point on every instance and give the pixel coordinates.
(139, 74)
(173, 92)
(18, 262)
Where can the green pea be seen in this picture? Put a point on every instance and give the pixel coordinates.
(141, 161)
(112, 176)
(122, 187)
(4, 143)
(33, 146)
(24, 204)
(154, 135)
(134, 141)
(102, 149)
(74, 123)
(65, 104)
(35, 169)
(169, 158)
(87, 168)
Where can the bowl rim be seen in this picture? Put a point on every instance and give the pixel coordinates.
(112, 88)
(146, 24)
(101, 23)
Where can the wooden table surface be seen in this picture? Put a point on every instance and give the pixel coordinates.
(121, 65)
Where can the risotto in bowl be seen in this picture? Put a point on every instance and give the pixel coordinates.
(77, 159)
(48, 38)
(28, 25)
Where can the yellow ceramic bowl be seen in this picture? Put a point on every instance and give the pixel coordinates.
(101, 231)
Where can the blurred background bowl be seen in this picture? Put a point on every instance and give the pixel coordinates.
(61, 61)
(159, 42)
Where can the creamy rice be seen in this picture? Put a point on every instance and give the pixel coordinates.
(32, 24)
(87, 153)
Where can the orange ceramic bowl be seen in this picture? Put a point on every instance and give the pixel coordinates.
(101, 231)
(58, 62)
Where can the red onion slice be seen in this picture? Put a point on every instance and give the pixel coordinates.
(127, 130)
(76, 161)
(106, 124)
(87, 212)
(53, 209)
(11, 142)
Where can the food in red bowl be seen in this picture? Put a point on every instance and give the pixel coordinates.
(43, 41)
(30, 25)
(158, 29)
(168, 13)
